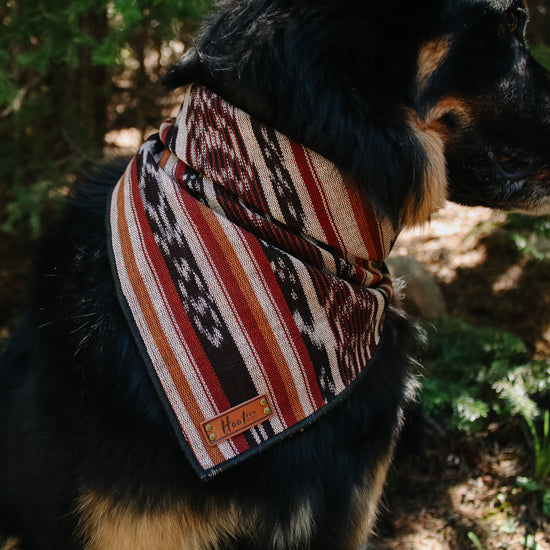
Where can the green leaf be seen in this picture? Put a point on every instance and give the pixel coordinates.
(8, 91)
(546, 502)
(475, 540)
(527, 484)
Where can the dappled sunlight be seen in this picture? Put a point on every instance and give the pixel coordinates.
(125, 138)
(448, 240)
(472, 491)
(510, 279)
(486, 278)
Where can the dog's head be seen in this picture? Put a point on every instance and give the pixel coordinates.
(480, 89)
(417, 101)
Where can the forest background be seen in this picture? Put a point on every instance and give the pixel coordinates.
(80, 82)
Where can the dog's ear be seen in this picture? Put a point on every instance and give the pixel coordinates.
(186, 71)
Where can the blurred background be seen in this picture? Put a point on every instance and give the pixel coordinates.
(80, 82)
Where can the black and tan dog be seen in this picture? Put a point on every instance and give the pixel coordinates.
(415, 102)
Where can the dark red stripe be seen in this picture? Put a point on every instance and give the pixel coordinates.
(317, 199)
(269, 231)
(288, 320)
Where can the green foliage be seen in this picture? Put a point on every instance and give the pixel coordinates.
(462, 364)
(535, 224)
(8, 90)
(475, 373)
(47, 35)
(27, 205)
(542, 448)
(541, 52)
(529, 542)
(541, 444)
(531, 235)
(475, 541)
(57, 63)
(531, 486)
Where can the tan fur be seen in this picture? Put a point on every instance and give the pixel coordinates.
(434, 192)
(448, 104)
(299, 529)
(525, 6)
(431, 57)
(106, 525)
(431, 134)
(366, 497)
(11, 544)
(365, 504)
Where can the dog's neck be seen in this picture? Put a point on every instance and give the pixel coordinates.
(252, 272)
(279, 181)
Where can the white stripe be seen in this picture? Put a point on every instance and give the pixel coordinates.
(266, 174)
(322, 333)
(181, 122)
(339, 209)
(381, 300)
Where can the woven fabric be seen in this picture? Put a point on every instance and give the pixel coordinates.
(249, 267)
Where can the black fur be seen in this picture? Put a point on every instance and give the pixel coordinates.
(78, 414)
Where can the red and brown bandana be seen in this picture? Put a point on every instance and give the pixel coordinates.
(250, 269)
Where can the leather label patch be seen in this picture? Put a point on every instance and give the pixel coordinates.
(237, 420)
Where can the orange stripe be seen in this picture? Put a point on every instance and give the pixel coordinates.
(256, 309)
(155, 328)
(164, 159)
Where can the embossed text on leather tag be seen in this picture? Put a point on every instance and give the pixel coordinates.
(237, 420)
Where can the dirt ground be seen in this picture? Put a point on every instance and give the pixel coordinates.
(484, 279)
(442, 487)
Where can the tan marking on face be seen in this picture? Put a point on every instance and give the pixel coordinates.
(105, 524)
(432, 136)
(525, 6)
(447, 104)
(431, 56)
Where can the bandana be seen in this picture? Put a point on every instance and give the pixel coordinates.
(250, 270)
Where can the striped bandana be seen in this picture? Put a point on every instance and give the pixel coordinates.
(250, 270)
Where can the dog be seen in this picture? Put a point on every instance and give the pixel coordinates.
(403, 105)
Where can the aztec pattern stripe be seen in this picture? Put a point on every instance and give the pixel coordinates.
(145, 314)
(247, 265)
(204, 378)
(252, 344)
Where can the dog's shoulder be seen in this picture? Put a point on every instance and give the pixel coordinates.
(81, 329)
